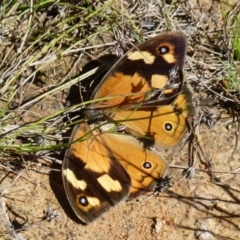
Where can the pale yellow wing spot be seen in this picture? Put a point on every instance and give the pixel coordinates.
(109, 184)
(158, 81)
(93, 202)
(147, 57)
(78, 184)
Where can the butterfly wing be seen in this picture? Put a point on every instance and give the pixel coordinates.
(93, 179)
(154, 64)
(163, 126)
(103, 168)
(145, 167)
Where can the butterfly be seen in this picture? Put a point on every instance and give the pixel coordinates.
(140, 105)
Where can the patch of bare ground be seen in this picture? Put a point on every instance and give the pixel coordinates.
(203, 202)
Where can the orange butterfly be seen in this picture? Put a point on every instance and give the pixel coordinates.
(143, 93)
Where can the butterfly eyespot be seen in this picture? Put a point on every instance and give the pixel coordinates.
(164, 50)
(147, 165)
(168, 126)
(83, 201)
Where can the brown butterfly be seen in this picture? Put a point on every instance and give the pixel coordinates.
(143, 93)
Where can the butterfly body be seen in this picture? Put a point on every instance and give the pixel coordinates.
(140, 105)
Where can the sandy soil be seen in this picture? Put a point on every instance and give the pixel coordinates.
(193, 208)
(204, 206)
